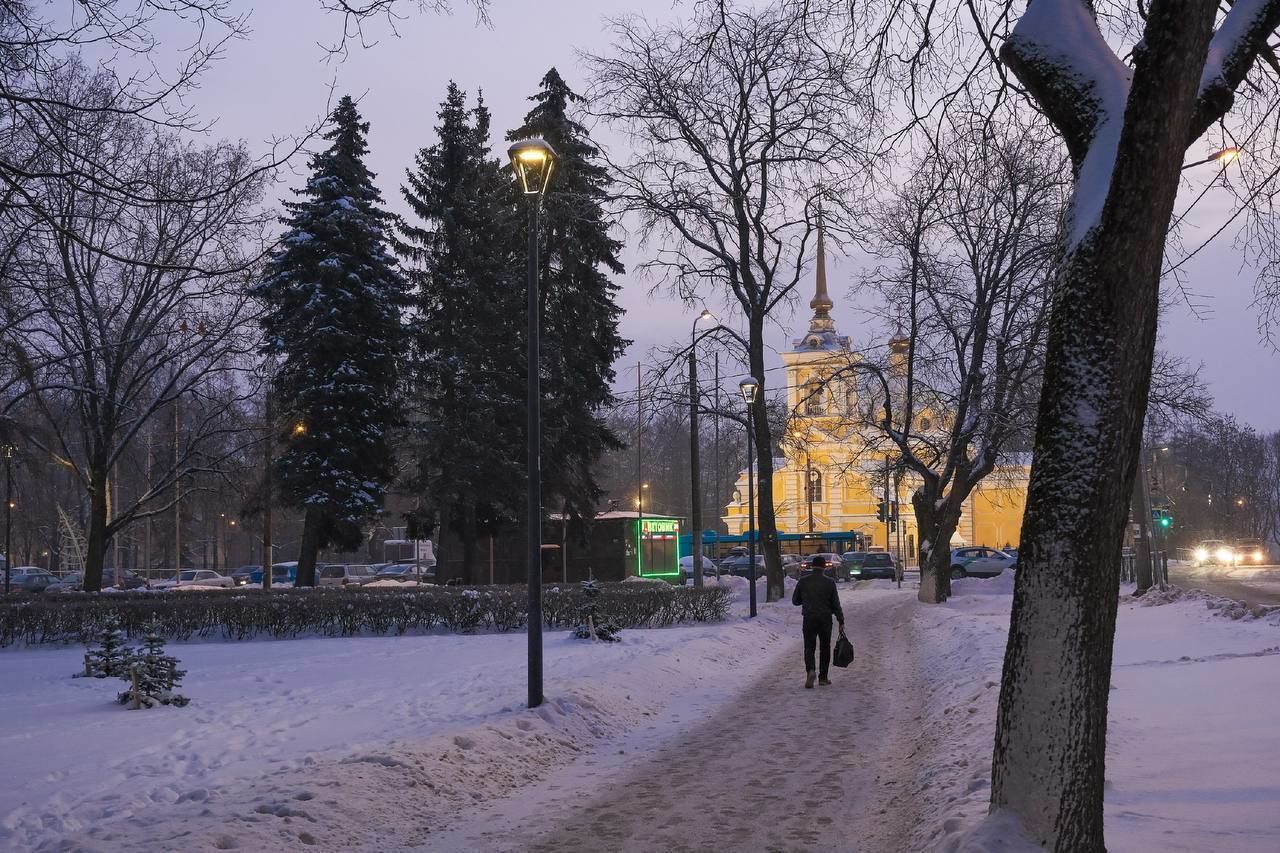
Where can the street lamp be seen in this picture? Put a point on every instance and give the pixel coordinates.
(695, 503)
(533, 160)
(749, 388)
(1225, 158)
(9, 451)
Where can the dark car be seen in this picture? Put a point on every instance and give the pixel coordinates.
(243, 576)
(29, 579)
(740, 565)
(871, 564)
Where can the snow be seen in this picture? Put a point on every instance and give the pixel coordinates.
(1235, 28)
(423, 742)
(1064, 34)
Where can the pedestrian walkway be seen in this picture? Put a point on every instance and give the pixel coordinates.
(780, 769)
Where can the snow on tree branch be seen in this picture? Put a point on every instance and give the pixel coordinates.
(1232, 51)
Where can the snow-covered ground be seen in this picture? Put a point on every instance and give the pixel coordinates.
(423, 742)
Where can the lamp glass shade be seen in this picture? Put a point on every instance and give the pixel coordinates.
(749, 387)
(532, 160)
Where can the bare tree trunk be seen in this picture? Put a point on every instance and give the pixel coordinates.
(96, 546)
(937, 525)
(1050, 748)
(469, 539)
(308, 547)
(766, 517)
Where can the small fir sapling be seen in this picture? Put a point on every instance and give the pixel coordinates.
(153, 675)
(592, 627)
(111, 657)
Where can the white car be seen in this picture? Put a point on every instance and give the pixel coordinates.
(196, 577)
(1215, 552)
(979, 562)
(686, 566)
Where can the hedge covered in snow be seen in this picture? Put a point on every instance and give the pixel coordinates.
(245, 614)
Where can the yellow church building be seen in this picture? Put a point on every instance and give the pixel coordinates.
(831, 476)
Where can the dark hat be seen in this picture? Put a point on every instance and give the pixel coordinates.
(819, 562)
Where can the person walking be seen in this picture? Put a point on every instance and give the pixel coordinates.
(819, 600)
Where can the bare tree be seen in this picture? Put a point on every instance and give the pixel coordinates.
(741, 121)
(129, 307)
(969, 246)
(1127, 129)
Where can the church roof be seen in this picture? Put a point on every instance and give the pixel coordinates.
(822, 335)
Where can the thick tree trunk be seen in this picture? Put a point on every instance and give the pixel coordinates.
(937, 525)
(96, 546)
(1050, 748)
(469, 539)
(767, 521)
(309, 546)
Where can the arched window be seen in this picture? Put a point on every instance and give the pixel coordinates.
(815, 402)
(815, 486)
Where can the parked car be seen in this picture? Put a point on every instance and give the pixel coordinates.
(195, 577)
(740, 565)
(280, 573)
(1214, 552)
(29, 579)
(686, 566)
(402, 572)
(980, 562)
(243, 576)
(74, 581)
(834, 568)
(338, 574)
(1251, 552)
(871, 564)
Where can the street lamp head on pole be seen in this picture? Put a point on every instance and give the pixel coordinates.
(533, 161)
(749, 387)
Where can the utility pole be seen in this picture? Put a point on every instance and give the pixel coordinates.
(9, 451)
(268, 440)
(177, 501)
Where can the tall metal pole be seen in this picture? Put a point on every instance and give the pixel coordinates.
(695, 503)
(808, 480)
(751, 506)
(533, 509)
(716, 423)
(177, 502)
(8, 513)
(639, 450)
(269, 439)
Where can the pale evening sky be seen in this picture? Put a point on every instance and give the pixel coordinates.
(277, 82)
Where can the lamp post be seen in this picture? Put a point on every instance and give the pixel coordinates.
(533, 160)
(749, 387)
(695, 503)
(9, 451)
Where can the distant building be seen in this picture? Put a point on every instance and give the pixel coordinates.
(832, 471)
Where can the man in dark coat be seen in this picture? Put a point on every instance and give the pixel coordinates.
(816, 594)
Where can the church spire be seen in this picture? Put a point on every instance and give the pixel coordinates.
(821, 302)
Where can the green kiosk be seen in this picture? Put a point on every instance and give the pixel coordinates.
(657, 547)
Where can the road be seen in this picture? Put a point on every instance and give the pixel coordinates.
(1251, 584)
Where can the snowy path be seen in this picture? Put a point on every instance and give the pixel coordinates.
(778, 768)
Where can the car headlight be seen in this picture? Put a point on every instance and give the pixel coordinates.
(1202, 554)
(1257, 556)
(1224, 555)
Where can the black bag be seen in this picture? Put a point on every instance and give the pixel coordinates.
(843, 654)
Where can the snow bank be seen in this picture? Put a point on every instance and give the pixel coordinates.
(1001, 584)
(369, 743)
(1226, 607)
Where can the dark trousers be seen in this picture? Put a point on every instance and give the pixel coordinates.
(817, 628)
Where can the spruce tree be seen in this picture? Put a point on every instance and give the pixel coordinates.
(333, 299)
(152, 674)
(579, 337)
(111, 657)
(467, 375)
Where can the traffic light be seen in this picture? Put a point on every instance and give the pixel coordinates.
(1161, 518)
(882, 511)
(894, 513)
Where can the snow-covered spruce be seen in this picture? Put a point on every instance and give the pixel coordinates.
(153, 676)
(592, 627)
(110, 658)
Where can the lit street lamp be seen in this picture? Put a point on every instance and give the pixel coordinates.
(749, 387)
(533, 160)
(1224, 158)
(695, 504)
